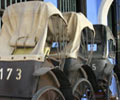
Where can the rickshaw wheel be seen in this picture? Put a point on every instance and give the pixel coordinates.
(109, 92)
(83, 90)
(48, 93)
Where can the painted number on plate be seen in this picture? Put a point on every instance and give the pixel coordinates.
(9, 73)
(94, 66)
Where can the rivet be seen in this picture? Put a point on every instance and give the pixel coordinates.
(24, 57)
(12, 57)
(38, 58)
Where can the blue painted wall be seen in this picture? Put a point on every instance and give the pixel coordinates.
(92, 10)
(52, 1)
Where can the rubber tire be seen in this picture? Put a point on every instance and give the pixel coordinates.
(40, 92)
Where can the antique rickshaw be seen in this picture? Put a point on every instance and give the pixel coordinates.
(103, 62)
(27, 33)
(77, 63)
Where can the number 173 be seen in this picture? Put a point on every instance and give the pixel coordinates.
(9, 71)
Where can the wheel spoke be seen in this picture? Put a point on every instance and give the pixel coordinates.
(83, 89)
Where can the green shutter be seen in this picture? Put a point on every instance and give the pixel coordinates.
(67, 5)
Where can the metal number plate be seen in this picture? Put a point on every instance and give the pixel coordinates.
(9, 72)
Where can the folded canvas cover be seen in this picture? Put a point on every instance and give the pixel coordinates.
(76, 22)
(29, 24)
(26, 24)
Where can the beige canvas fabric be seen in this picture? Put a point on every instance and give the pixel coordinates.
(76, 23)
(26, 24)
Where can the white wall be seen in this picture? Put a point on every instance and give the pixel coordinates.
(103, 11)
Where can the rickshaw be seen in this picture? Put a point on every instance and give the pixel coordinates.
(103, 62)
(26, 73)
(77, 68)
